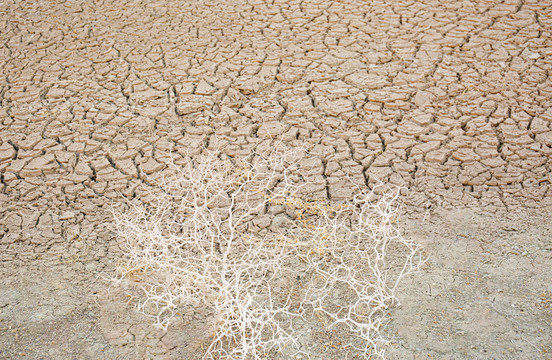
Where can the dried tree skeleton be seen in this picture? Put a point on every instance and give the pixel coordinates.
(193, 246)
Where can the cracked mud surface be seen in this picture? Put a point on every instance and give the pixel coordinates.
(451, 100)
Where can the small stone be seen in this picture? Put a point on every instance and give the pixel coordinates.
(185, 107)
(203, 88)
(91, 266)
(271, 129)
(67, 215)
(423, 98)
(152, 166)
(279, 222)
(262, 222)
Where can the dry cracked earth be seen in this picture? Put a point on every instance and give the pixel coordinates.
(449, 99)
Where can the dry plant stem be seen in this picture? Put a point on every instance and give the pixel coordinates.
(191, 244)
(346, 249)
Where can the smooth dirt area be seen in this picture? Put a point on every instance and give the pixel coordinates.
(449, 99)
(485, 293)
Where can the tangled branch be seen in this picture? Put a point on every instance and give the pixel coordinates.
(193, 244)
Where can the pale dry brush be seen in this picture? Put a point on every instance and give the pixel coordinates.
(355, 257)
(191, 246)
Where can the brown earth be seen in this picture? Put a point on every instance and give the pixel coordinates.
(450, 99)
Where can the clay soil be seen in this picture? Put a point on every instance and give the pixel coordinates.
(485, 293)
(449, 99)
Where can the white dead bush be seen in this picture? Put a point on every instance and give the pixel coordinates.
(355, 257)
(192, 246)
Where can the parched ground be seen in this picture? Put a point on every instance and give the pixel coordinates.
(450, 99)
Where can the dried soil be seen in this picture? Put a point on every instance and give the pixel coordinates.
(449, 99)
(485, 293)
